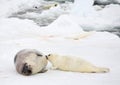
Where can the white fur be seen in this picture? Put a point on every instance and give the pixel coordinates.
(74, 64)
(49, 6)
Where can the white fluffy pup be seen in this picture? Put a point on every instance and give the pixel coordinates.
(74, 64)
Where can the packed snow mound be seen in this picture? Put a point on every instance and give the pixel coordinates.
(21, 27)
(11, 27)
(64, 25)
(90, 19)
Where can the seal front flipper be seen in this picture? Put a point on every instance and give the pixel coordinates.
(43, 71)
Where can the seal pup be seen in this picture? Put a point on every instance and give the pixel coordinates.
(30, 61)
(74, 64)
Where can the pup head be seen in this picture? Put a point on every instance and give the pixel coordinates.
(51, 57)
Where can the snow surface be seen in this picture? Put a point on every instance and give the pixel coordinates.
(90, 19)
(100, 48)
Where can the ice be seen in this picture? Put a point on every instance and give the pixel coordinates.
(65, 35)
(64, 23)
(11, 27)
(91, 19)
(44, 14)
(12, 6)
(83, 7)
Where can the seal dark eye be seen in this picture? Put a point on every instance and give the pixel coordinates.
(36, 7)
(49, 54)
(26, 70)
(38, 54)
(55, 5)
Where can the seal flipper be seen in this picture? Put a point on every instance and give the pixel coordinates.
(43, 71)
(15, 58)
(39, 54)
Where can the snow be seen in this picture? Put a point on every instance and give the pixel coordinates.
(85, 7)
(65, 36)
(90, 19)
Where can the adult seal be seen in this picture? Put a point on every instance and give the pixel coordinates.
(30, 61)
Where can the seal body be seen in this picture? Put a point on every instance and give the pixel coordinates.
(30, 61)
(74, 64)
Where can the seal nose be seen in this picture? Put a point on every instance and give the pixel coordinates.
(26, 70)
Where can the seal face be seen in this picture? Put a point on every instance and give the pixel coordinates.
(30, 61)
(26, 69)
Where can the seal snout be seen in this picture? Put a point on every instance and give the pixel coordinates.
(26, 69)
(47, 56)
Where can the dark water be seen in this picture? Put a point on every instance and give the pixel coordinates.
(115, 31)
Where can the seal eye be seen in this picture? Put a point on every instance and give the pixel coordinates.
(36, 7)
(26, 70)
(38, 54)
(49, 54)
(55, 5)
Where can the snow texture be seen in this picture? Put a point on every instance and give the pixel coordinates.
(65, 35)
